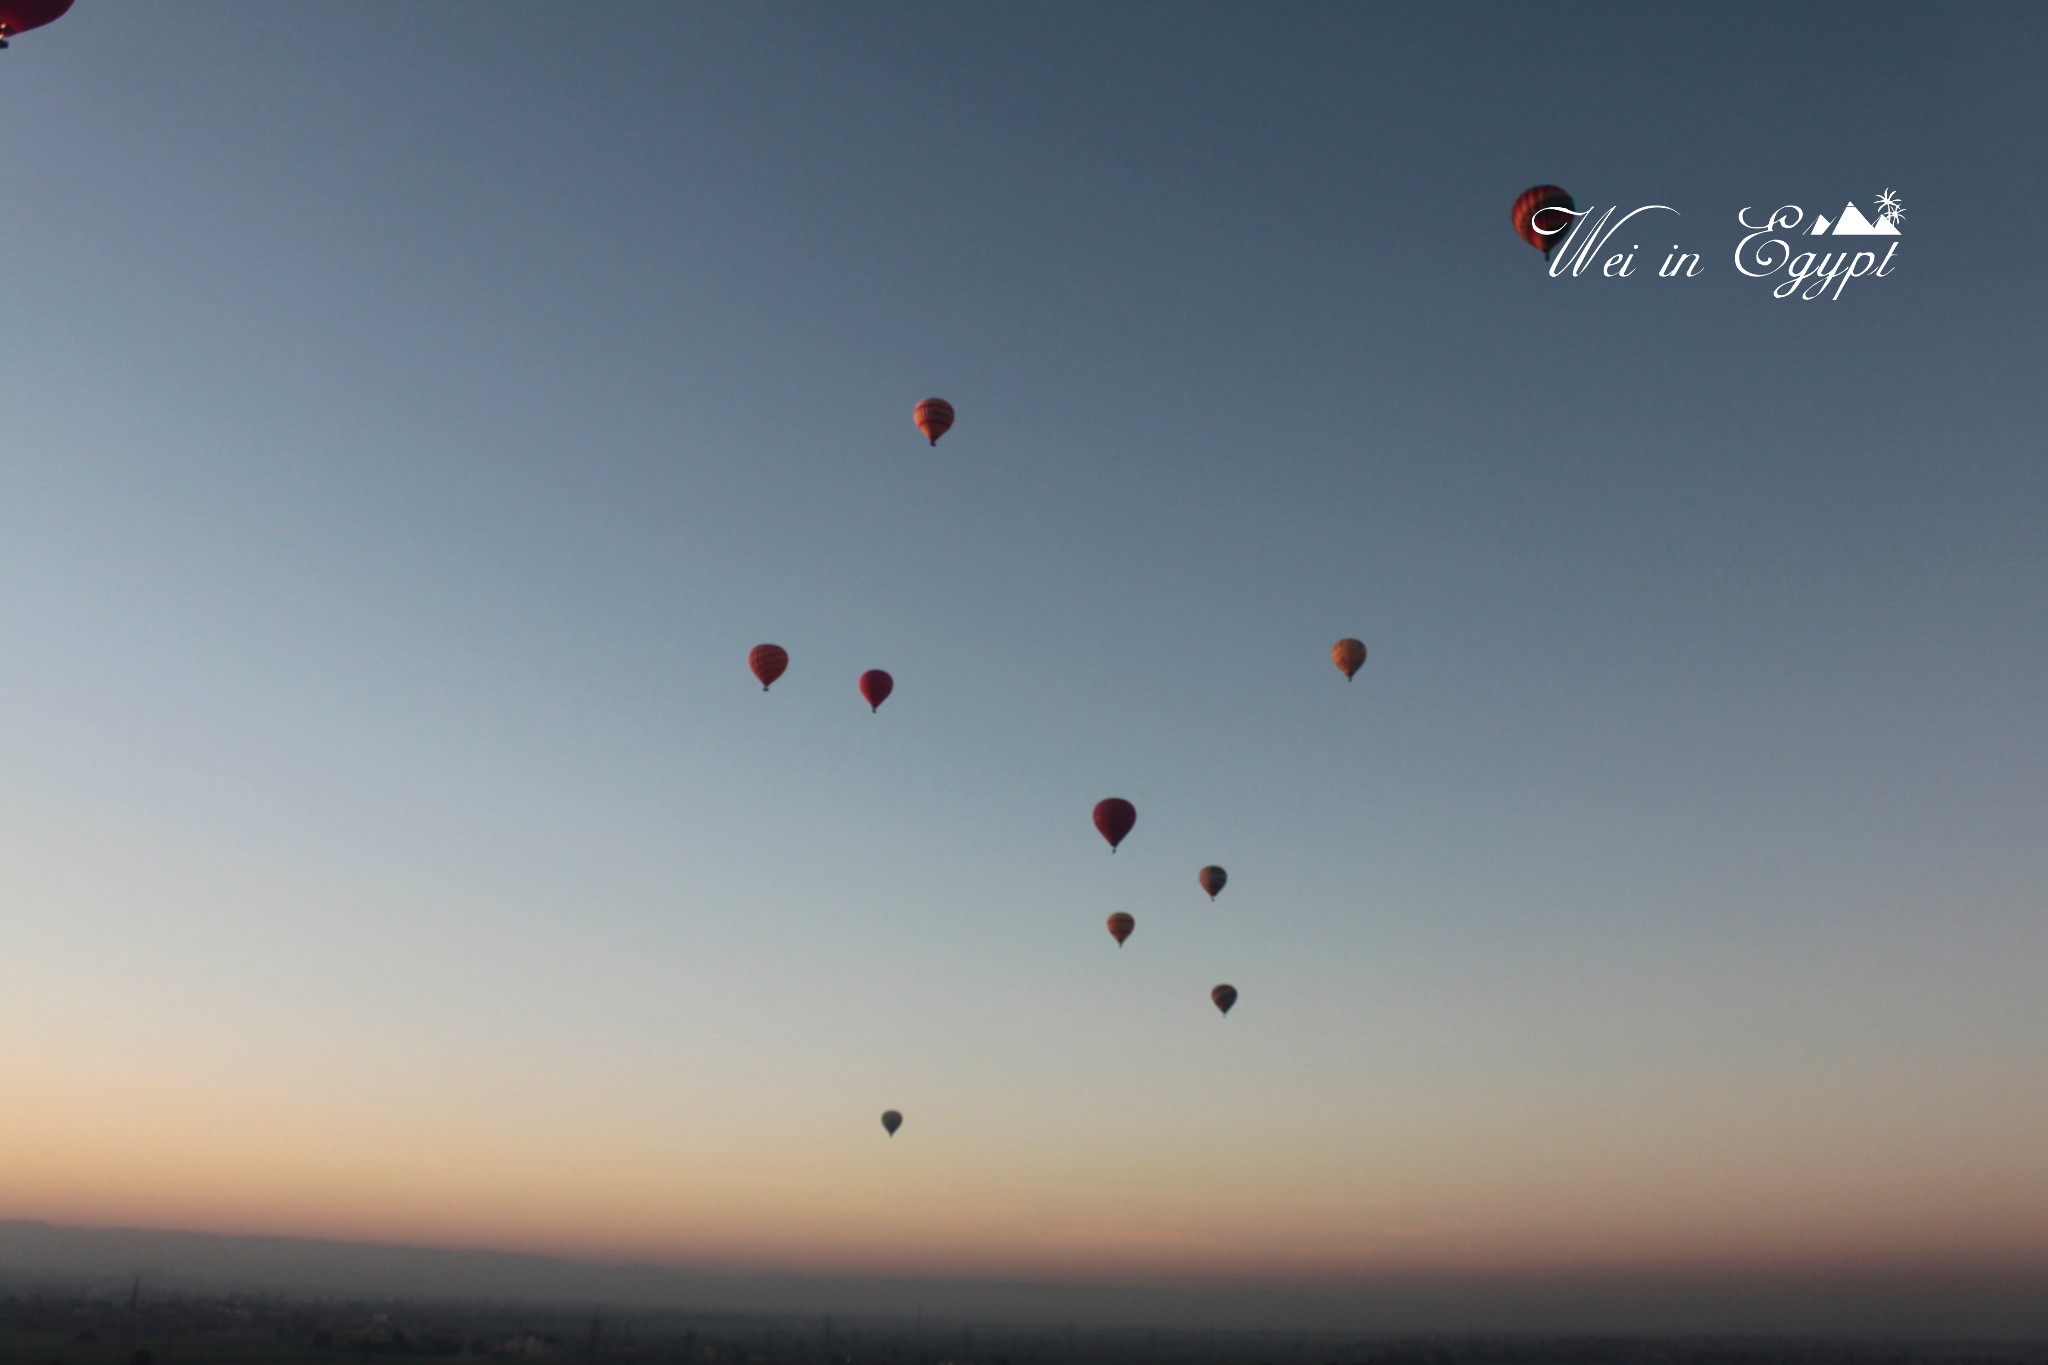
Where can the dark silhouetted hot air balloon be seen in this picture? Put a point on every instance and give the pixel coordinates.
(1114, 818)
(1225, 997)
(1549, 229)
(891, 1120)
(19, 16)
(768, 663)
(1349, 656)
(1212, 879)
(1120, 926)
(875, 687)
(934, 418)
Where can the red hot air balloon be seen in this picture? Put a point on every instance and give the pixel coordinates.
(19, 16)
(1212, 879)
(1120, 926)
(891, 1120)
(1225, 997)
(768, 663)
(934, 418)
(875, 687)
(1536, 225)
(1114, 818)
(1349, 655)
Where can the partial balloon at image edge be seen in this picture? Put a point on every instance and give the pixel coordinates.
(19, 16)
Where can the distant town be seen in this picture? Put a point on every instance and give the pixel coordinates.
(137, 1327)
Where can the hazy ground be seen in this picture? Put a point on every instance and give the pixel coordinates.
(134, 1328)
(42, 1257)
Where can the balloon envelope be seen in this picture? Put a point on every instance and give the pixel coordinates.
(1114, 818)
(1120, 926)
(768, 663)
(934, 418)
(1349, 655)
(1225, 997)
(875, 687)
(891, 1120)
(1212, 879)
(1529, 216)
(19, 16)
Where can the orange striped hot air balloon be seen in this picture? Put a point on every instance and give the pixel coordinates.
(1349, 656)
(1120, 926)
(1540, 229)
(19, 16)
(1212, 879)
(1225, 997)
(768, 663)
(934, 418)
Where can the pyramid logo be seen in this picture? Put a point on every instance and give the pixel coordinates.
(1852, 223)
(1823, 270)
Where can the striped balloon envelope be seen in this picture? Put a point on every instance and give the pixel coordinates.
(769, 662)
(934, 418)
(1540, 229)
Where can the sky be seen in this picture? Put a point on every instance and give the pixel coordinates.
(413, 414)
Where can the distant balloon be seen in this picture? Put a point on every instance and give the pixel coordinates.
(1114, 818)
(768, 663)
(892, 1121)
(1225, 997)
(1536, 226)
(875, 687)
(1349, 656)
(19, 16)
(934, 418)
(1212, 879)
(1120, 926)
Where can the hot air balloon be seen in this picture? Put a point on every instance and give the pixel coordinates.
(1225, 997)
(1212, 879)
(891, 1120)
(875, 687)
(1349, 656)
(1114, 818)
(1120, 926)
(1540, 229)
(19, 16)
(768, 663)
(934, 418)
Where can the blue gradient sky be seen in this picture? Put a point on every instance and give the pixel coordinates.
(413, 413)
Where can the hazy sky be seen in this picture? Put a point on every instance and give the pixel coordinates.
(414, 412)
